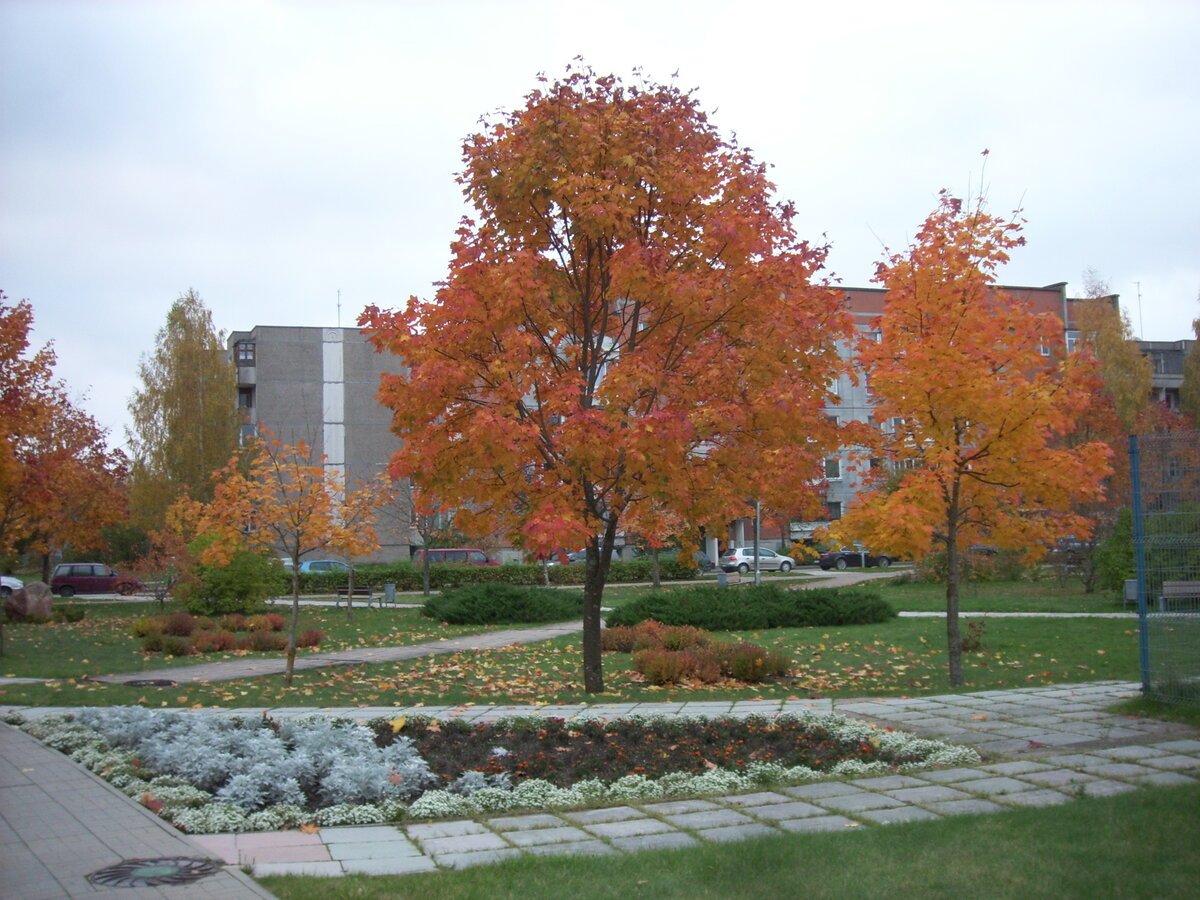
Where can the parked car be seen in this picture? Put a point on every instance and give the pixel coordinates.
(853, 557)
(324, 565)
(8, 584)
(463, 556)
(741, 559)
(70, 579)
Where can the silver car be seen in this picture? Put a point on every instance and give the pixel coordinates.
(741, 559)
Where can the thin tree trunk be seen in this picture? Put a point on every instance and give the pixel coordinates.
(654, 572)
(46, 567)
(953, 636)
(291, 645)
(599, 556)
(350, 596)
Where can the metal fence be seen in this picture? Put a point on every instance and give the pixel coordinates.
(1166, 537)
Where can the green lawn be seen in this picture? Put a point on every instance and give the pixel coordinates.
(1140, 844)
(103, 642)
(1005, 596)
(904, 656)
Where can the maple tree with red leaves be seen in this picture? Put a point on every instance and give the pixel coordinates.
(630, 321)
(974, 414)
(59, 482)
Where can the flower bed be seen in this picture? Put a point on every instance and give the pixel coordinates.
(220, 773)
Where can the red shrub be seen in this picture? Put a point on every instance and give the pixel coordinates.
(180, 624)
(233, 622)
(245, 640)
(618, 639)
(682, 637)
(214, 641)
(309, 638)
(177, 645)
(265, 622)
(659, 666)
(267, 640)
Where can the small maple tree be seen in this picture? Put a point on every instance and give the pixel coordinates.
(630, 320)
(973, 411)
(277, 495)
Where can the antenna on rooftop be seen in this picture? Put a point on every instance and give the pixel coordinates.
(339, 307)
(1141, 324)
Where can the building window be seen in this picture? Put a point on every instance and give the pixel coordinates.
(833, 387)
(1072, 341)
(833, 468)
(244, 353)
(245, 398)
(833, 510)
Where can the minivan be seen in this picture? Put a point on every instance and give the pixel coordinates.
(463, 556)
(70, 579)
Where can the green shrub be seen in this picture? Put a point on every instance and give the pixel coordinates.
(752, 608)
(503, 604)
(239, 587)
(70, 614)
(152, 642)
(1114, 556)
(750, 662)
(147, 625)
(177, 645)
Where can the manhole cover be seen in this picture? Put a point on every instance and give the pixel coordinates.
(153, 872)
(150, 682)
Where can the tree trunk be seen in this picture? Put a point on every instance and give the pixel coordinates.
(291, 645)
(46, 568)
(350, 596)
(599, 556)
(425, 569)
(953, 637)
(654, 573)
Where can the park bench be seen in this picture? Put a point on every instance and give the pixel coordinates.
(1180, 597)
(363, 593)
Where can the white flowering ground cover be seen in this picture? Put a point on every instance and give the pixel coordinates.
(212, 773)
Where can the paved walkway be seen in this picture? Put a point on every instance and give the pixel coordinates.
(59, 823)
(1042, 746)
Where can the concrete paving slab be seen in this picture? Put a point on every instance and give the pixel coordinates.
(729, 833)
(819, 823)
(1058, 777)
(605, 814)
(536, 836)
(667, 840)
(897, 815)
(342, 834)
(674, 807)
(576, 848)
(709, 818)
(1036, 798)
(997, 785)
(628, 828)
(432, 830)
(534, 820)
(1184, 745)
(480, 858)
(1105, 788)
(854, 803)
(374, 850)
(463, 843)
(327, 869)
(1165, 778)
(777, 812)
(821, 790)
(889, 782)
(934, 793)
(949, 776)
(395, 865)
(1015, 767)
(1177, 763)
(759, 798)
(963, 807)
(1118, 770)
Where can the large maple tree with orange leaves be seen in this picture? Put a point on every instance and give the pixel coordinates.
(630, 328)
(974, 396)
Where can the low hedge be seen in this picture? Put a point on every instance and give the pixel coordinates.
(750, 608)
(408, 577)
(503, 604)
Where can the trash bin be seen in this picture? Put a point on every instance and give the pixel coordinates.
(389, 592)
(1131, 591)
(722, 578)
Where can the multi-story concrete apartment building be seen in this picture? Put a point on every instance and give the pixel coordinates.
(318, 385)
(1166, 367)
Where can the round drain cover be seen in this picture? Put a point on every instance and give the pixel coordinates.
(153, 872)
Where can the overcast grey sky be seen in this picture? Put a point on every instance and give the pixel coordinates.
(270, 155)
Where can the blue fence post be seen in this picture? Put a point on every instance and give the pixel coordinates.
(1139, 555)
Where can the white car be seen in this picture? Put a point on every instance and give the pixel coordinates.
(741, 559)
(8, 584)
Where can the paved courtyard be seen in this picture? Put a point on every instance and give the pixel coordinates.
(1042, 746)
